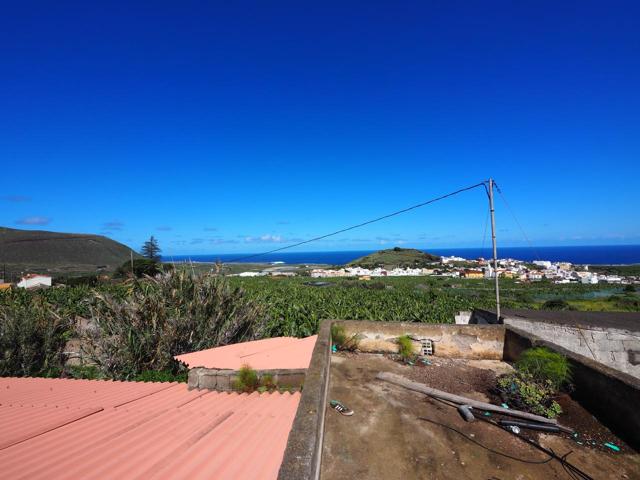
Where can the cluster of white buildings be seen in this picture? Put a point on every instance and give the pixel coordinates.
(366, 272)
(558, 272)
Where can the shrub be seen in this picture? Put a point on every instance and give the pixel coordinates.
(341, 340)
(170, 314)
(629, 289)
(141, 267)
(523, 392)
(625, 302)
(33, 336)
(247, 380)
(86, 372)
(405, 347)
(162, 376)
(545, 365)
(556, 304)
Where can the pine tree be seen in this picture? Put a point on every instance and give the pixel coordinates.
(151, 249)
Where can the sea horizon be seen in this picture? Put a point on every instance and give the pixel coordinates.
(578, 254)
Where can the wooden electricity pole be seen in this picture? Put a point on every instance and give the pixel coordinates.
(495, 248)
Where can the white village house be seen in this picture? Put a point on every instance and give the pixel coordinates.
(34, 280)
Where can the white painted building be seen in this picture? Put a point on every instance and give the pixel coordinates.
(34, 280)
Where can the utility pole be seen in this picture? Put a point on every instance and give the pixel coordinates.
(495, 248)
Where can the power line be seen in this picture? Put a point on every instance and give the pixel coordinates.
(484, 234)
(368, 222)
(504, 199)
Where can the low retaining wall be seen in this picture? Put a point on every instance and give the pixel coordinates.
(475, 342)
(615, 348)
(223, 380)
(611, 396)
(303, 454)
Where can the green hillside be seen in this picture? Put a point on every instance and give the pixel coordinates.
(396, 257)
(57, 253)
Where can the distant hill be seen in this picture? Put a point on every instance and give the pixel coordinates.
(40, 251)
(396, 257)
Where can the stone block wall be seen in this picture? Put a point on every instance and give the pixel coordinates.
(224, 380)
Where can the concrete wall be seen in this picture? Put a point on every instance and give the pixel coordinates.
(619, 349)
(460, 341)
(303, 453)
(223, 380)
(611, 396)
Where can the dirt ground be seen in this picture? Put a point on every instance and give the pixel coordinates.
(386, 439)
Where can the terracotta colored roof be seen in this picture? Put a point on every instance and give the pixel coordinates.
(58, 429)
(271, 353)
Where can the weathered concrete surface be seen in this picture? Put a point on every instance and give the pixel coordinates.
(303, 454)
(385, 439)
(460, 341)
(223, 380)
(610, 395)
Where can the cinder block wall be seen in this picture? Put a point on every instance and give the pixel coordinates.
(459, 341)
(619, 349)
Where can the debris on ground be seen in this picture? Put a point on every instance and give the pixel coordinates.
(340, 408)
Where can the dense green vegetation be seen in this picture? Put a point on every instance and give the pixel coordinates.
(296, 307)
(127, 331)
(540, 374)
(545, 366)
(396, 257)
(137, 325)
(624, 270)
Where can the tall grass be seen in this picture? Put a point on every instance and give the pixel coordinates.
(33, 335)
(170, 314)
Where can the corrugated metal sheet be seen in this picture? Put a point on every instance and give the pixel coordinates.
(148, 430)
(271, 353)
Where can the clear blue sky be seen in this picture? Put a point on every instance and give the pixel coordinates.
(240, 126)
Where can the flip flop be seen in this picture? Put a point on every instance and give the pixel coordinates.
(340, 408)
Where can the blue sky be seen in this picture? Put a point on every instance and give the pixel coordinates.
(242, 126)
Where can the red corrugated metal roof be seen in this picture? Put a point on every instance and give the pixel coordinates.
(271, 353)
(59, 429)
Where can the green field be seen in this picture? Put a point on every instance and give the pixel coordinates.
(296, 307)
(137, 325)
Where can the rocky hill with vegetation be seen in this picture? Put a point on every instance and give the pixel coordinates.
(396, 257)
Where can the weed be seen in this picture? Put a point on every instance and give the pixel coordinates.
(545, 365)
(341, 340)
(405, 347)
(247, 380)
(268, 383)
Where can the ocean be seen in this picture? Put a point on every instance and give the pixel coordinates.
(590, 255)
